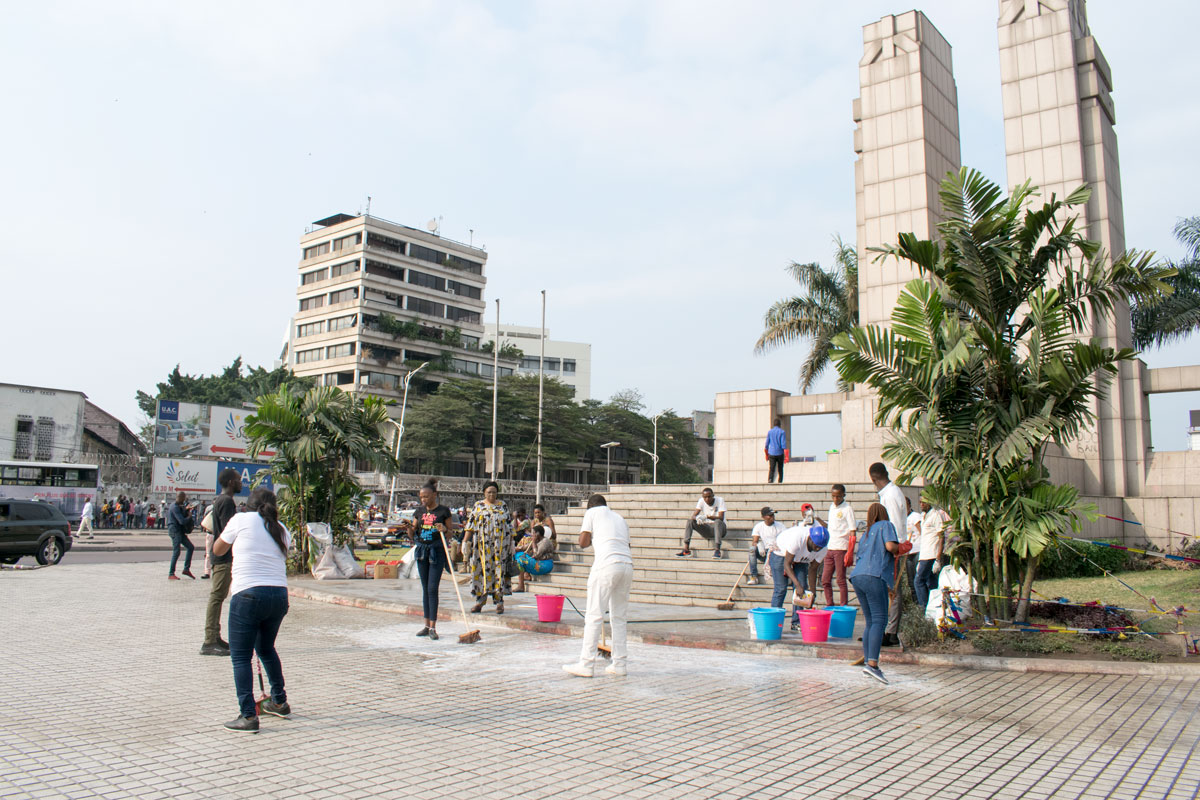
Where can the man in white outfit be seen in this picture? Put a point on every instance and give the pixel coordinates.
(894, 501)
(608, 586)
(85, 521)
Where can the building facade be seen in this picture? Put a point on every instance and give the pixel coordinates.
(569, 362)
(376, 299)
(41, 424)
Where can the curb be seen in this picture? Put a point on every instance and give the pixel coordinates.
(785, 649)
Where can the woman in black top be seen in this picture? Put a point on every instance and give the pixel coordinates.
(432, 520)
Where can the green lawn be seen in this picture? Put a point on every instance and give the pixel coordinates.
(387, 554)
(1168, 587)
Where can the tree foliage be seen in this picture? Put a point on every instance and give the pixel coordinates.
(1173, 317)
(828, 307)
(233, 386)
(987, 364)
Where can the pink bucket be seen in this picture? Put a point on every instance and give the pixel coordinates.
(550, 607)
(814, 625)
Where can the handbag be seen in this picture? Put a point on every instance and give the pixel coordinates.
(206, 524)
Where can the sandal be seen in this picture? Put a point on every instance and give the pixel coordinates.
(477, 608)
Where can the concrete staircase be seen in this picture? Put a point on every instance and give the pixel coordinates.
(657, 516)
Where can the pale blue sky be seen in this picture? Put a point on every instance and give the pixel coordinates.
(653, 165)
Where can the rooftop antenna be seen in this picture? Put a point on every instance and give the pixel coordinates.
(471, 241)
(434, 226)
(368, 205)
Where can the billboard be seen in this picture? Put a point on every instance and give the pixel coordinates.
(194, 476)
(197, 430)
(248, 470)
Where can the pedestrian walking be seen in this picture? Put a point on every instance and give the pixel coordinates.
(776, 451)
(873, 578)
(432, 523)
(892, 499)
(609, 582)
(259, 544)
(488, 534)
(221, 570)
(85, 521)
(179, 525)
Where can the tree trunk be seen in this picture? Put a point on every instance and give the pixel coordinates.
(1022, 614)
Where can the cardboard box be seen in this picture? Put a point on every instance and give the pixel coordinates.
(387, 571)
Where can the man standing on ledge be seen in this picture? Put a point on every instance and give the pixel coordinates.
(223, 510)
(608, 586)
(776, 451)
(893, 500)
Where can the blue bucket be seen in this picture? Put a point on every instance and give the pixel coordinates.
(841, 625)
(768, 622)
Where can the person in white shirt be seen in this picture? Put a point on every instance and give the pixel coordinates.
(609, 582)
(259, 602)
(762, 543)
(893, 501)
(85, 521)
(712, 511)
(913, 529)
(803, 544)
(933, 525)
(841, 525)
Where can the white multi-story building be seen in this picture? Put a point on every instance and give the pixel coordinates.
(569, 362)
(377, 299)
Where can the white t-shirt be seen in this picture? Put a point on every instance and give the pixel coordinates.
(913, 527)
(610, 536)
(893, 500)
(795, 541)
(932, 525)
(767, 534)
(257, 560)
(716, 508)
(841, 525)
(87, 511)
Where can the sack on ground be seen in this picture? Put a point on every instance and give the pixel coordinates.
(347, 565)
(952, 583)
(326, 568)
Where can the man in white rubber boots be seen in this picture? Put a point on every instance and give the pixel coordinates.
(608, 586)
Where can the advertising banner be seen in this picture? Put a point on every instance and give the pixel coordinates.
(192, 429)
(248, 470)
(226, 437)
(189, 475)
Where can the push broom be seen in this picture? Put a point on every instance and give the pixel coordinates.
(471, 636)
(728, 604)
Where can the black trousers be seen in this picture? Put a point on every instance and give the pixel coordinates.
(775, 463)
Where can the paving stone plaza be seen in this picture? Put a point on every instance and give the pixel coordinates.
(104, 695)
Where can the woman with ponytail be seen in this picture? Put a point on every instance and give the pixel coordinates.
(259, 602)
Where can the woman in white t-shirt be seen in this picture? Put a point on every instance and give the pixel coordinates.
(258, 602)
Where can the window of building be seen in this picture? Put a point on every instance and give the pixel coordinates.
(344, 296)
(505, 371)
(426, 307)
(462, 315)
(426, 254)
(428, 281)
(341, 323)
(382, 270)
(463, 290)
(378, 379)
(307, 303)
(338, 378)
(308, 356)
(316, 250)
(314, 276)
(456, 262)
(45, 438)
(347, 241)
(339, 350)
(310, 329)
(485, 370)
(569, 366)
(470, 342)
(345, 268)
(552, 365)
(469, 367)
(23, 445)
(381, 242)
(529, 362)
(380, 296)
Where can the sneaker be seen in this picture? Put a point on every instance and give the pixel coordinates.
(753, 581)
(891, 640)
(188, 572)
(172, 577)
(433, 634)
(205, 576)
(875, 673)
(243, 725)
(716, 553)
(424, 631)
(614, 669)
(214, 649)
(579, 670)
(223, 643)
(684, 553)
(276, 709)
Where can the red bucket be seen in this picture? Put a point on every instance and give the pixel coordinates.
(814, 624)
(550, 607)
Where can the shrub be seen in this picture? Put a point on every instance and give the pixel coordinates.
(1072, 560)
(915, 629)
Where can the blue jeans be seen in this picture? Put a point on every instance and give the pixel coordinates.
(754, 558)
(431, 562)
(181, 540)
(255, 615)
(872, 595)
(780, 579)
(925, 583)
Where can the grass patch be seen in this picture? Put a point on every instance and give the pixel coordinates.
(386, 554)
(1169, 588)
(1042, 643)
(1128, 652)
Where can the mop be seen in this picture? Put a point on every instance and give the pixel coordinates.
(471, 636)
(728, 604)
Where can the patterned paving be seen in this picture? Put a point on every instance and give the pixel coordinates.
(102, 694)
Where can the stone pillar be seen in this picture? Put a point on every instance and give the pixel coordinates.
(1058, 134)
(743, 419)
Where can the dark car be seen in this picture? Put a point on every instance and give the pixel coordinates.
(30, 528)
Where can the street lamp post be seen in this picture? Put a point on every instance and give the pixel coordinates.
(400, 435)
(655, 453)
(608, 461)
(654, 458)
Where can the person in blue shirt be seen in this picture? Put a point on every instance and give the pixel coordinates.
(775, 450)
(873, 577)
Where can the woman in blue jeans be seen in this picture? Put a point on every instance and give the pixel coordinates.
(433, 522)
(258, 603)
(872, 578)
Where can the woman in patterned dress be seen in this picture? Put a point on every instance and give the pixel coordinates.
(488, 537)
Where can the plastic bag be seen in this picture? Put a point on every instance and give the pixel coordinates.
(408, 564)
(347, 565)
(326, 569)
(956, 584)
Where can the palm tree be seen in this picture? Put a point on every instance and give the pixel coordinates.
(986, 366)
(828, 307)
(1175, 316)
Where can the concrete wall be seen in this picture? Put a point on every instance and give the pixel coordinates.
(65, 407)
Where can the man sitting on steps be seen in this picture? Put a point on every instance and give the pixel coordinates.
(762, 543)
(713, 510)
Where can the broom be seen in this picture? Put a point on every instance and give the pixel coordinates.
(262, 690)
(471, 636)
(602, 649)
(728, 604)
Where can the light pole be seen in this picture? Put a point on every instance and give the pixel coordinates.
(608, 461)
(495, 387)
(400, 435)
(541, 382)
(654, 458)
(655, 453)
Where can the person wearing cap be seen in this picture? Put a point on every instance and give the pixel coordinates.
(762, 542)
(802, 544)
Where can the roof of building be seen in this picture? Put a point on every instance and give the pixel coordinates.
(334, 220)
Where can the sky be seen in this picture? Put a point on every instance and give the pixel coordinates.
(654, 166)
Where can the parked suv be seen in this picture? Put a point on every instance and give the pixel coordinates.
(30, 528)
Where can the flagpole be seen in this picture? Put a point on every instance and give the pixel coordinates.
(495, 385)
(541, 382)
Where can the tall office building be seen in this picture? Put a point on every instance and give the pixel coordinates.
(377, 299)
(569, 362)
